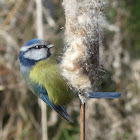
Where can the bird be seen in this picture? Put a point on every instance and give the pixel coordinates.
(42, 74)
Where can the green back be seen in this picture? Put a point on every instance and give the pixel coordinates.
(48, 76)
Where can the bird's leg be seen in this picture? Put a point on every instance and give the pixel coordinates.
(82, 97)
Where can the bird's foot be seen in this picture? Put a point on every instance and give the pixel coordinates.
(82, 98)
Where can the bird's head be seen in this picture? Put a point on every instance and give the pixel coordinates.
(33, 51)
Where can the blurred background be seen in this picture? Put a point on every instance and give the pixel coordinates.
(20, 113)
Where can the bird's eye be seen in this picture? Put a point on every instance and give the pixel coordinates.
(36, 47)
(39, 46)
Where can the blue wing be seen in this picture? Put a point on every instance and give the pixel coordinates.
(59, 109)
(106, 95)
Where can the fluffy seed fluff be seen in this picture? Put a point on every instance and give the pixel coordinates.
(80, 61)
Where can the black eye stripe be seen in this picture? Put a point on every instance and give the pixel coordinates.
(40, 46)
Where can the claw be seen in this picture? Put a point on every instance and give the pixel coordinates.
(82, 98)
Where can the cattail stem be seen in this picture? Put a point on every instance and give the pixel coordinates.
(82, 121)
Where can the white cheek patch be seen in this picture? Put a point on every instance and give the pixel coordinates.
(36, 54)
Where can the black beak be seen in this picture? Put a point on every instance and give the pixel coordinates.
(50, 46)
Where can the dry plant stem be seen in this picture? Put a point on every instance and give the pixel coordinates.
(82, 121)
(12, 13)
(39, 23)
(44, 121)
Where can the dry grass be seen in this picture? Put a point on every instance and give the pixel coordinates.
(19, 110)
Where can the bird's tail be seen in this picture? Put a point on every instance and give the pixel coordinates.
(106, 95)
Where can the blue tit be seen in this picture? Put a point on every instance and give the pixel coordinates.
(43, 76)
